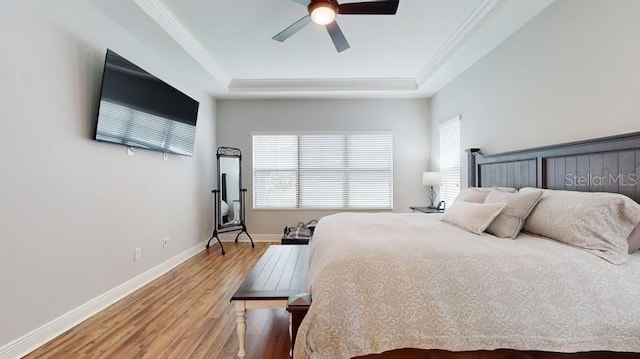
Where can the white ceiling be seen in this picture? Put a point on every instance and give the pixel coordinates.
(412, 54)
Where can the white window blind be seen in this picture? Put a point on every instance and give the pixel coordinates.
(328, 171)
(450, 159)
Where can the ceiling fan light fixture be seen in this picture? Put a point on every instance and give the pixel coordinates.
(322, 12)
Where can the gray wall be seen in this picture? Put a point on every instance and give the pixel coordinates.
(570, 74)
(408, 119)
(72, 209)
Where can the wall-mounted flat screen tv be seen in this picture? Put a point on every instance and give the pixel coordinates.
(138, 109)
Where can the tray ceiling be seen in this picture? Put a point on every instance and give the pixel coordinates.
(412, 54)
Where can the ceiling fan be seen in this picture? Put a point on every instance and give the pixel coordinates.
(323, 12)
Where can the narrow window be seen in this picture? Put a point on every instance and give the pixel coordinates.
(450, 159)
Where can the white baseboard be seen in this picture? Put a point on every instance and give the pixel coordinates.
(36, 338)
(230, 237)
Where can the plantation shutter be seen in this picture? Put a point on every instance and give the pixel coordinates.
(323, 171)
(450, 159)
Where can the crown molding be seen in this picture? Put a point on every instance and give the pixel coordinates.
(322, 85)
(161, 14)
(488, 25)
(498, 24)
(446, 51)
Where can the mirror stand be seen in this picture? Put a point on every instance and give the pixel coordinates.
(217, 226)
(229, 197)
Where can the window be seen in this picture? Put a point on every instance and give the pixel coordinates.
(450, 159)
(323, 171)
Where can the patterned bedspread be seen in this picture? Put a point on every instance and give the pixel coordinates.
(387, 281)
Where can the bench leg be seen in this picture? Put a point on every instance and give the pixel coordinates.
(297, 306)
(290, 335)
(241, 317)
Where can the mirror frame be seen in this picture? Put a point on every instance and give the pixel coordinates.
(229, 152)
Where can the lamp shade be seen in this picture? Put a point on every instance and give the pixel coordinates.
(431, 178)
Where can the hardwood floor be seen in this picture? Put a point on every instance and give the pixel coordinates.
(186, 313)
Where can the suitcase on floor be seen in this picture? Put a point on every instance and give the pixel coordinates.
(299, 235)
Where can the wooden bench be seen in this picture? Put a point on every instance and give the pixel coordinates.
(280, 273)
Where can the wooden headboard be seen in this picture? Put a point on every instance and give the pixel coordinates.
(608, 164)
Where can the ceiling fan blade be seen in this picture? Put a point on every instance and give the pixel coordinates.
(292, 29)
(369, 8)
(303, 2)
(337, 36)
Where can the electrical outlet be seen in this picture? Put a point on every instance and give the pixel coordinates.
(166, 242)
(137, 254)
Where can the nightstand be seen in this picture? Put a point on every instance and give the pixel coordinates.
(426, 209)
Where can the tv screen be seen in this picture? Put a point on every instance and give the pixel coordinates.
(138, 109)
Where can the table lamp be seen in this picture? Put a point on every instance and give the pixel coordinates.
(431, 179)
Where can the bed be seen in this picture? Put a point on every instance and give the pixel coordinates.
(385, 282)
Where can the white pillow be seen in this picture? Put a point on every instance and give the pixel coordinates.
(517, 208)
(474, 217)
(224, 208)
(634, 239)
(479, 194)
(597, 222)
